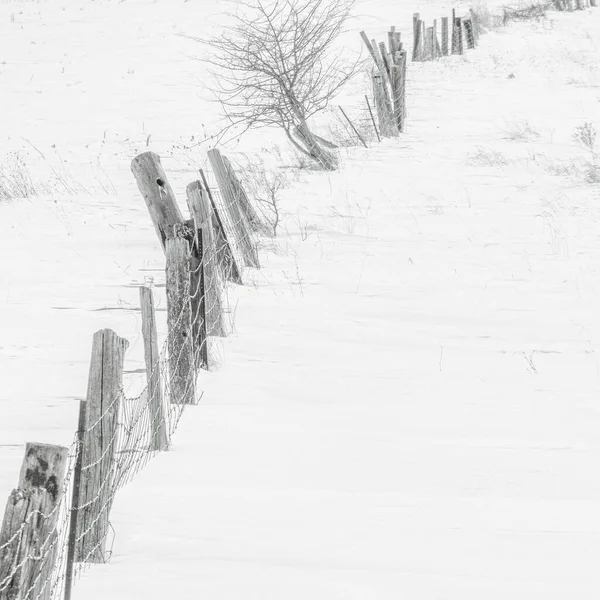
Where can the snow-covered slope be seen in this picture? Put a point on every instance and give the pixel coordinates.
(409, 404)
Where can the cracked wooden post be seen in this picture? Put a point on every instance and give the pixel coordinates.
(103, 398)
(199, 206)
(156, 399)
(180, 340)
(29, 536)
(226, 259)
(157, 193)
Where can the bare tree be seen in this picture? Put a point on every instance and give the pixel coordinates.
(276, 65)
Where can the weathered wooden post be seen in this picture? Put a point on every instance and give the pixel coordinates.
(104, 397)
(475, 23)
(226, 258)
(457, 34)
(157, 193)
(429, 44)
(416, 28)
(237, 218)
(199, 205)
(156, 400)
(180, 341)
(445, 48)
(384, 114)
(29, 536)
(469, 35)
(243, 201)
(72, 537)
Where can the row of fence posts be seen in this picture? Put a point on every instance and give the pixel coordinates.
(464, 34)
(389, 83)
(58, 516)
(570, 5)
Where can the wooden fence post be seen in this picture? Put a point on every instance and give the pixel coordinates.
(416, 30)
(386, 123)
(104, 396)
(157, 193)
(225, 257)
(182, 364)
(457, 35)
(445, 48)
(372, 118)
(29, 534)
(429, 44)
(72, 538)
(199, 205)
(475, 24)
(156, 405)
(243, 201)
(238, 220)
(469, 35)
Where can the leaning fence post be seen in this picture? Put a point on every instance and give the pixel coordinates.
(238, 220)
(29, 536)
(243, 201)
(72, 538)
(372, 118)
(199, 206)
(104, 397)
(225, 256)
(157, 193)
(182, 368)
(156, 405)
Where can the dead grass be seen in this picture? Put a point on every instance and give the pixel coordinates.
(487, 157)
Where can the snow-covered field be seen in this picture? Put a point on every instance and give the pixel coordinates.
(408, 406)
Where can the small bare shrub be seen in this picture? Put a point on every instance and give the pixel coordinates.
(535, 11)
(265, 187)
(585, 136)
(15, 179)
(519, 131)
(487, 157)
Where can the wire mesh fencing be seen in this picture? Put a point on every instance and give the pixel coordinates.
(57, 521)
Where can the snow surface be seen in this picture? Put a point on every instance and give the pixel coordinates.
(408, 406)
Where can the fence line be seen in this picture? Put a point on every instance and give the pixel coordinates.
(57, 520)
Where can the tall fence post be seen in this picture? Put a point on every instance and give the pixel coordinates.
(226, 258)
(29, 534)
(182, 367)
(156, 399)
(72, 538)
(104, 396)
(445, 48)
(416, 31)
(238, 219)
(199, 205)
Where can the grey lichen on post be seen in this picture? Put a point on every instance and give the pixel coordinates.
(237, 218)
(104, 397)
(200, 209)
(29, 536)
(157, 193)
(156, 398)
(182, 367)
